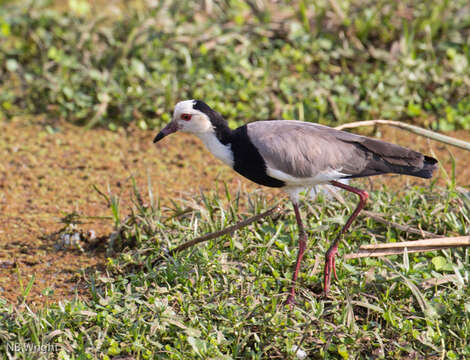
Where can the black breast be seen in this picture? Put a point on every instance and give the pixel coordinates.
(248, 161)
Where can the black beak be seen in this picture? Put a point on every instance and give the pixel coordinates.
(167, 130)
(159, 136)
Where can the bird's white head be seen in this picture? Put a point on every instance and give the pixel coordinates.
(189, 116)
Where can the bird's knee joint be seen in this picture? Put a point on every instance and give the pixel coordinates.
(364, 195)
(331, 251)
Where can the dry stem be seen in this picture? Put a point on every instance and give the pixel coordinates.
(229, 230)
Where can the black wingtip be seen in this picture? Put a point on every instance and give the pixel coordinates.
(430, 160)
(429, 166)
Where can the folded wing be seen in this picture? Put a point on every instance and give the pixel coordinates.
(304, 150)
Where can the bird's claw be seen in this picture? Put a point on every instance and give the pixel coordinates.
(334, 269)
(330, 266)
(290, 300)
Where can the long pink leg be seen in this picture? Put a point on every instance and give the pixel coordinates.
(330, 254)
(302, 246)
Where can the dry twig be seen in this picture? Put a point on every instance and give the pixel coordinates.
(405, 228)
(374, 250)
(229, 230)
(414, 129)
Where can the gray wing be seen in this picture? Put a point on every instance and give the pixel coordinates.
(303, 149)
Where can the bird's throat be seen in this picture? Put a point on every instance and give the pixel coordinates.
(221, 151)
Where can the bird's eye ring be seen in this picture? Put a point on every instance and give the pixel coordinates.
(186, 117)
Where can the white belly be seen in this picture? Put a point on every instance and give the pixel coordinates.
(319, 178)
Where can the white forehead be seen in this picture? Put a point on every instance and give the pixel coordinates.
(184, 107)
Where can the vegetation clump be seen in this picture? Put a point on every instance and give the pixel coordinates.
(224, 298)
(250, 60)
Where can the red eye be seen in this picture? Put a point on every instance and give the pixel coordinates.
(186, 117)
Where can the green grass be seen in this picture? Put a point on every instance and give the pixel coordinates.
(224, 298)
(248, 59)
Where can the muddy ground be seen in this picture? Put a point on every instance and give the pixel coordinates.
(47, 171)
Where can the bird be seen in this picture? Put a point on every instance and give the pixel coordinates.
(294, 156)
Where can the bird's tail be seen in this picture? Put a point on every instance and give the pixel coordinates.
(386, 165)
(429, 166)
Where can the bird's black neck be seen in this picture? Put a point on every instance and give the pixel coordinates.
(222, 131)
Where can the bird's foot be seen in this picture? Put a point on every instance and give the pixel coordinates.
(330, 267)
(290, 300)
